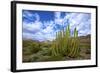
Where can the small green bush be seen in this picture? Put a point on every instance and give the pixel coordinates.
(31, 48)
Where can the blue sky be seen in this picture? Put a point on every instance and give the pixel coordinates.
(42, 25)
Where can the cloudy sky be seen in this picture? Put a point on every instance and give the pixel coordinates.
(42, 25)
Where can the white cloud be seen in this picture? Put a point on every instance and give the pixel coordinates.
(48, 30)
(58, 20)
(40, 33)
(27, 14)
(27, 35)
(81, 21)
(57, 15)
(78, 20)
(37, 17)
(36, 26)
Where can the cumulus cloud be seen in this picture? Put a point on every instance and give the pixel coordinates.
(37, 17)
(32, 27)
(80, 21)
(45, 30)
(35, 30)
(57, 15)
(58, 20)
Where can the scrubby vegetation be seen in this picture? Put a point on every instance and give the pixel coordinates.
(64, 47)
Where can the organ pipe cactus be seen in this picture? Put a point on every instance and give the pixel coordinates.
(64, 44)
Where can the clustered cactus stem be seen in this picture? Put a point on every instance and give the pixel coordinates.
(64, 44)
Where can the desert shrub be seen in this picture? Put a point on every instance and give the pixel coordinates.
(41, 58)
(34, 57)
(27, 43)
(44, 55)
(46, 51)
(41, 55)
(26, 51)
(31, 48)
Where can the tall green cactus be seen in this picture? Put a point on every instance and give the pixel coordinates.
(75, 33)
(74, 51)
(67, 31)
(64, 44)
